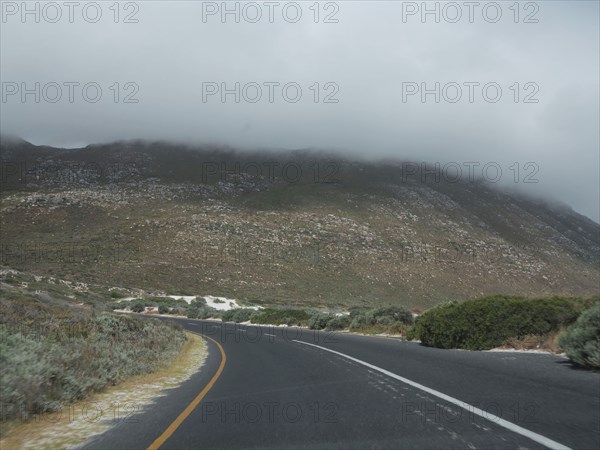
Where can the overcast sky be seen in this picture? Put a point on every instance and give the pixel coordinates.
(371, 57)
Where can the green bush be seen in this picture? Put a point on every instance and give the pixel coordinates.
(338, 323)
(388, 316)
(391, 314)
(581, 342)
(202, 312)
(237, 315)
(137, 307)
(281, 317)
(243, 315)
(163, 309)
(228, 316)
(358, 311)
(198, 301)
(488, 322)
(327, 321)
(192, 313)
(166, 301)
(319, 321)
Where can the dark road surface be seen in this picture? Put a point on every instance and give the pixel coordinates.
(353, 392)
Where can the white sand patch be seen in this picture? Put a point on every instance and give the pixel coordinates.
(515, 350)
(255, 308)
(187, 298)
(221, 303)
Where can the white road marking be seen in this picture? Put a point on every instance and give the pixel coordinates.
(267, 334)
(491, 417)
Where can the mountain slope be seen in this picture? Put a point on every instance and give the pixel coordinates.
(200, 220)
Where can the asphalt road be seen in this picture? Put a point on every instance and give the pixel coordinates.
(285, 388)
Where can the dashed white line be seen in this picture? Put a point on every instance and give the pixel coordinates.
(491, 417)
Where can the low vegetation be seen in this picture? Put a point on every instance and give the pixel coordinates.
(237, 315)
(202, 312)
(292, 317)
(54, 352)
(166, 305)
(389, 319)
(490, 322)
(581, 341)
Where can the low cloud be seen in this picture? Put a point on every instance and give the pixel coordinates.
(376, 79)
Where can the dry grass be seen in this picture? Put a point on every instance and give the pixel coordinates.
(547, 342)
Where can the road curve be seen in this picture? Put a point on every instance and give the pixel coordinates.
(279, 388)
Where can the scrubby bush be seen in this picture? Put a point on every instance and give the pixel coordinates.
(581, 342)
(380, 319)
(319, 321)
(338, 323)
(198, 302)
(392, 314)
(358, 311)
(358, 322)
(243, 315)
(488, 322)
(137, 307)
(228, 316)
(44, 365)
(281, 317)
(327, 321)
(237, 315)
(166, 301)
(163, 309)
(202, 312)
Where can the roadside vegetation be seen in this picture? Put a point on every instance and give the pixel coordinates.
(581, 341)
(490, 322)
(391, 319)
(54, 352)
(292, 317)
(168, 305)
(510, 322)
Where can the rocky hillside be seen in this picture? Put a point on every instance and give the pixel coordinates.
(300, 228)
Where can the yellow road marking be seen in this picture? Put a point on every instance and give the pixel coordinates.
(187, 411)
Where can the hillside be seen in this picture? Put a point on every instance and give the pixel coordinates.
(345, 233)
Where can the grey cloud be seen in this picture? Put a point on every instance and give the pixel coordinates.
(368, 54)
